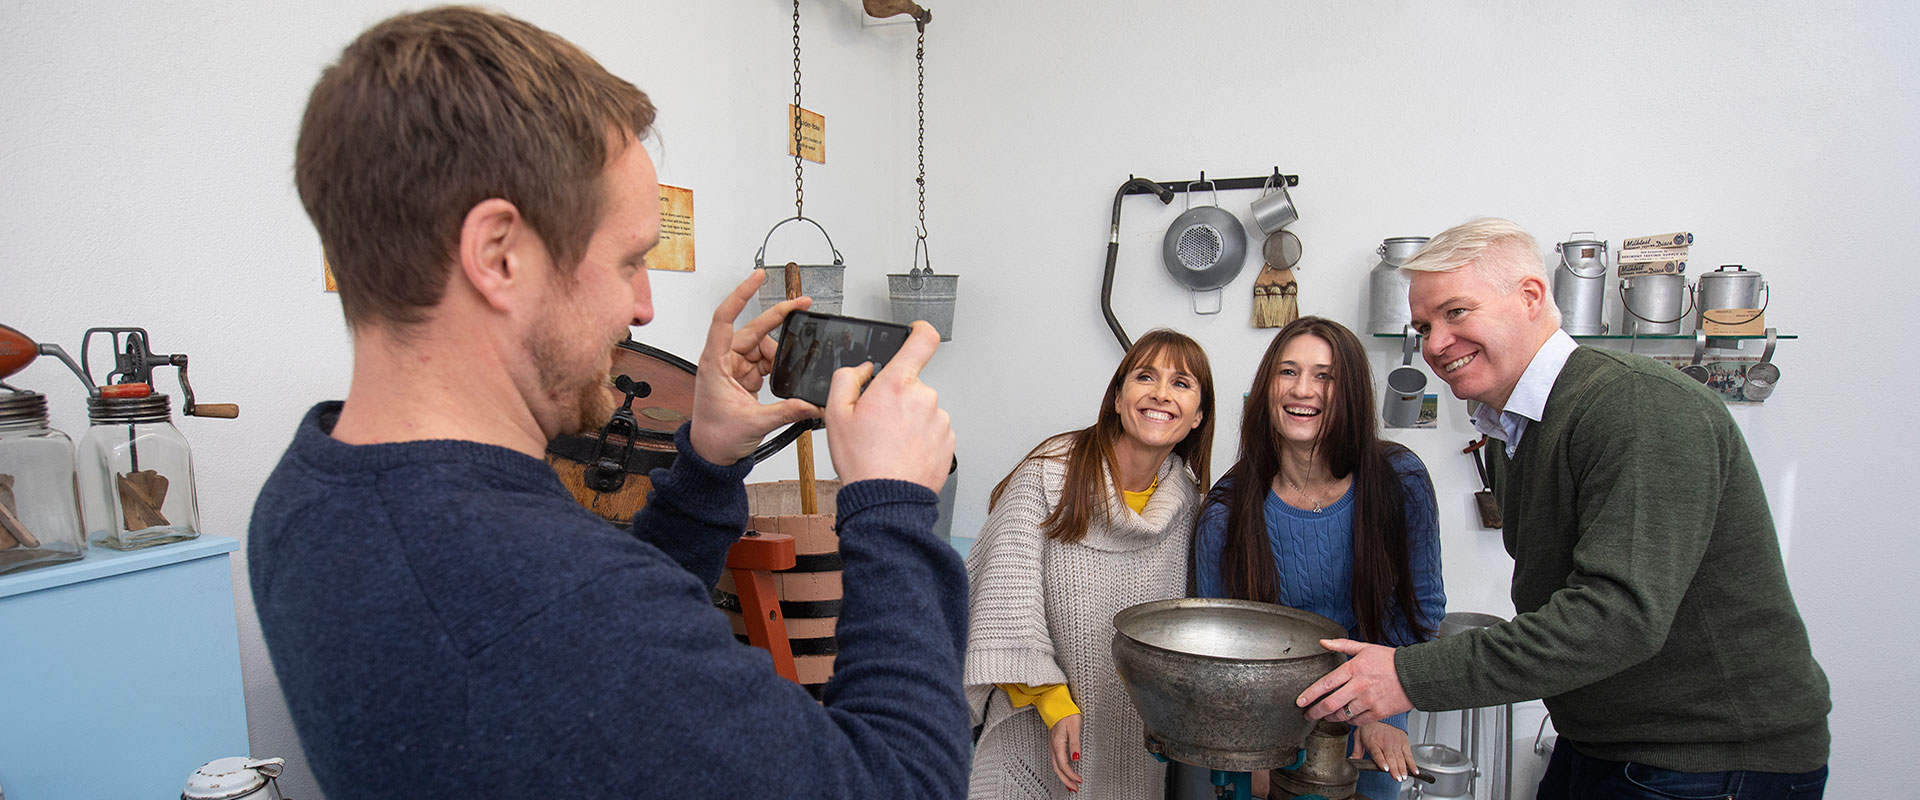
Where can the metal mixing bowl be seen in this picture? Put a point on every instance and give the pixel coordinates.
(1215, 680)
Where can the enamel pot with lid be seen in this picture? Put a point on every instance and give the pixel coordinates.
(1205, 249)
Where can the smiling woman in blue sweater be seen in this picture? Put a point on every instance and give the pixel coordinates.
(1338, 521)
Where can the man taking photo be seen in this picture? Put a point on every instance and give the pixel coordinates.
(445, 621)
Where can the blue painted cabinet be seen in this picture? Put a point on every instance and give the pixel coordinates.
(119, 673)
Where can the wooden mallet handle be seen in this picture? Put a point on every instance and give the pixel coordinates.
(808, 503)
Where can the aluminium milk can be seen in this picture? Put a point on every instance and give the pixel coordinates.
(1387, 285)
(1579, 284)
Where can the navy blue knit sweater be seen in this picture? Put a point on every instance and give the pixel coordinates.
(446, 622)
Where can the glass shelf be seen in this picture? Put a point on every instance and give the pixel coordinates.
(1687, 337)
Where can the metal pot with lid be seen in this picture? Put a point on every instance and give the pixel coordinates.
(1732, 286)
(1451, 770)
(234, 778)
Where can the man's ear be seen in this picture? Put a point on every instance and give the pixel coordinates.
(1533, 295)
(489, 237)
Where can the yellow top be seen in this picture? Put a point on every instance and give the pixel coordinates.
(1138, 500)
(1052, 700)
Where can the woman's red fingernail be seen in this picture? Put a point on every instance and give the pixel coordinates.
(1076, 756)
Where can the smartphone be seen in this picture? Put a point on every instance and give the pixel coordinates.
(813, 345)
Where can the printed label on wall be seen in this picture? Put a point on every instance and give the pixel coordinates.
(813, 135)
(675, 250)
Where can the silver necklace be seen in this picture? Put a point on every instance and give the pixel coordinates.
(1317, 506)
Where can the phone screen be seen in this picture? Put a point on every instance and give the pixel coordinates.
(813, 345)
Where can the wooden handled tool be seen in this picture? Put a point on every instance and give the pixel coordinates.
(808, 503)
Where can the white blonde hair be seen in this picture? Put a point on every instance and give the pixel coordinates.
(1497, 250)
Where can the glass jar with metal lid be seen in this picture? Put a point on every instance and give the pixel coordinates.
(136, 471)
(39, 512)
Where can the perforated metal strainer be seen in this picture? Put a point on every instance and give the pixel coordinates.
(1205, 249)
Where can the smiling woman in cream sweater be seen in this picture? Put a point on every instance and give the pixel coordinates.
(1089, 523)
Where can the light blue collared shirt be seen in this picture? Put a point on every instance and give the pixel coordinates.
(1529, 398)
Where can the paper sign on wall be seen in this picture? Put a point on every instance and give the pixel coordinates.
(675, 250)
(327, 270)
(813, 135)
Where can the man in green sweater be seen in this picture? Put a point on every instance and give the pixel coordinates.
(1654, 614)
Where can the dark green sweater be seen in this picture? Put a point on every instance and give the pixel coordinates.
(1655, 617)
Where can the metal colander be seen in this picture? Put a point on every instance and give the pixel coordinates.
(1205, 248)
(1199, 246)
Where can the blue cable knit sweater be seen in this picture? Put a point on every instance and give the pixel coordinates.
(1314, 555)
(1314, 552)
(446, 622)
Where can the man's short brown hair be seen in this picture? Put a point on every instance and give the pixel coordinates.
(426, 115)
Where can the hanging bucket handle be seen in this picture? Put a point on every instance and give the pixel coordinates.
(760, 257)
(922, 265)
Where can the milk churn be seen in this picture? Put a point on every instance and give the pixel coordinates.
(1388, 286)
(1579, 284)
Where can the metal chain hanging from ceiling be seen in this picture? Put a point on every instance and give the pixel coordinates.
(920, 65)
(799, 173)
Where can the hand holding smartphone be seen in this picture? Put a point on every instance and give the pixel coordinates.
(813, 345)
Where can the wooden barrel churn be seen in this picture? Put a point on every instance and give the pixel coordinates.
(809, 592)
(607, 470)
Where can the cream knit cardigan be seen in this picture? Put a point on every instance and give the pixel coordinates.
(1041, 611)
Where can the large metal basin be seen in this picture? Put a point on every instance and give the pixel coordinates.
(1215, 680)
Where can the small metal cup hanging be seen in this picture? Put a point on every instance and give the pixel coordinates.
(919, 294)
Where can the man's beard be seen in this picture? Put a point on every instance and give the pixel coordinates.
(584, 396)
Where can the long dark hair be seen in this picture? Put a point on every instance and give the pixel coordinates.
(1382, 575)
(1089, 449)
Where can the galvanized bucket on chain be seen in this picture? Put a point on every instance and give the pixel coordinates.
(920, 294)
(822, 282)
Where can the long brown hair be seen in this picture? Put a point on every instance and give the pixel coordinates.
(1083, 495)
(1382, 576)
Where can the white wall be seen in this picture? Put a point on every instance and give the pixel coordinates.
(146, 153)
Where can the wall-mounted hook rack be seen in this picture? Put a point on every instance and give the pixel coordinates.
(1224, 184)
